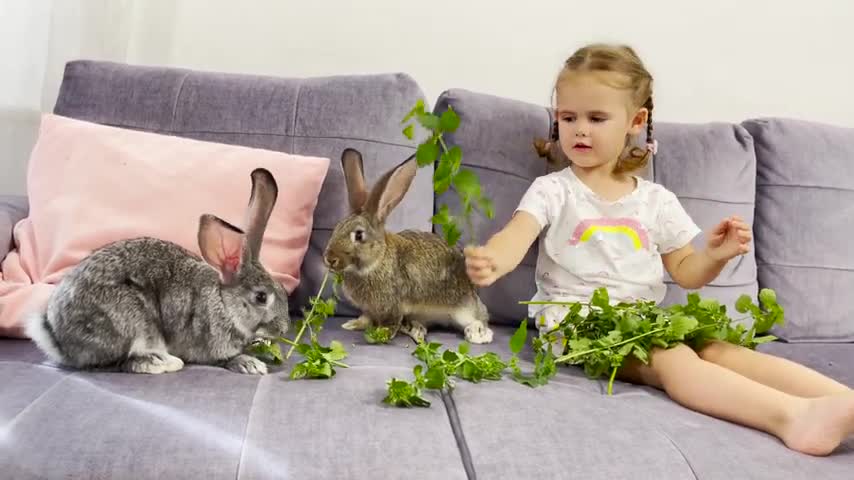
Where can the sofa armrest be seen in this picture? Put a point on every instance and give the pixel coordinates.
(13, 208)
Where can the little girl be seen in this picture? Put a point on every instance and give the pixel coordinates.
(602, 226)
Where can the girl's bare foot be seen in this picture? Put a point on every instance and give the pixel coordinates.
(821, 424)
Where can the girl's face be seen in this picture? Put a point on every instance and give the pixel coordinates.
(594, 119)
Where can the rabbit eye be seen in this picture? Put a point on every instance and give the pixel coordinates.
(358, 235)
(261, 297)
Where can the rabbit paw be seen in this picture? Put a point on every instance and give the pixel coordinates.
(415, 330)
(360, 323)
(154, 363)
(247, 364)
(477, 332)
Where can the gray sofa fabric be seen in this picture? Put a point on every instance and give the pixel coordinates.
(13, 208)
(804, 207)
(206, 422)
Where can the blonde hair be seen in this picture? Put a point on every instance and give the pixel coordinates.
(633, 76)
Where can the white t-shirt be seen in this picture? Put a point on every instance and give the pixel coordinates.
(588, 242)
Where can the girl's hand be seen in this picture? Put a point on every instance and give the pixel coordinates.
(480, 266)
(728, 239)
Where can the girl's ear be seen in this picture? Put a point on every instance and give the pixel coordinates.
(639, 121)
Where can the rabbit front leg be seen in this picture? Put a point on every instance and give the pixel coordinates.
(414, 329)
(361, 323)
(153, 362)
(473, 318)
(247, 364)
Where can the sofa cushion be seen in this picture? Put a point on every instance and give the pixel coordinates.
(804, 206)
(91, 184)
(711, 167)
(496, 134)
(571, 428)
(318, 116)
(208, 422)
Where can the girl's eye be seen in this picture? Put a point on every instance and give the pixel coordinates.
(599, 119)
(568, 119)
(357, 235)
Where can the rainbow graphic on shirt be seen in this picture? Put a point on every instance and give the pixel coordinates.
(627, 227)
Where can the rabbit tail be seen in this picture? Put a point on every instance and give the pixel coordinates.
(41, 332)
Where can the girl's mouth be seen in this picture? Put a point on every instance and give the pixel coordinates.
(582, 147)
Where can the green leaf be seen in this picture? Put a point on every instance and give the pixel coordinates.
(409, 131)
(401, 393)
(426, 154)
(742, 305)
(452, 233)
(449, 121)
(442, 217)
(452, 159)
(641, 354)
(377, 335)
(417, 109)
(764, 339)
(517, 341)
(428, 121)
(680, 325)
(768, 297)
(442, 177)
(435, 378)
(464, 348)
(487, 207)
(467, 185)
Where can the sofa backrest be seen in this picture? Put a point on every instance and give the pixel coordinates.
(803, 228)
(318, 116)
(710, 167)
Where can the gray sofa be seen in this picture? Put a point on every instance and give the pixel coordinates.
(206, 422)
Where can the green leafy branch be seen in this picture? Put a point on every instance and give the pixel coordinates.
(602, 340)
(438, 371)
(318, 361)
(448, 173)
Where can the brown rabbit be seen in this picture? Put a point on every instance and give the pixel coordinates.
(407, 280)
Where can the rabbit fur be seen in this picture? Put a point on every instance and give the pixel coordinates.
(145, 305)
(408, 280)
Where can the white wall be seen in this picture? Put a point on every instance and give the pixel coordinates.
(713, 61)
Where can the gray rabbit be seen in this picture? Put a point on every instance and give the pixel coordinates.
(407, 281)
(146, 305)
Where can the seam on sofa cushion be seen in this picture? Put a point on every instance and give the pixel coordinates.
(177, 99)
(294, 116)
(687, 462)
(259, 134)
(808, 267)
(805, 187)
(11, 423)
(246, 429)
(459, 436)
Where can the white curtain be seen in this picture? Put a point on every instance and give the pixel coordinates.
(37, 38)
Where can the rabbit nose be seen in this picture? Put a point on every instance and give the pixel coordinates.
(331, 261)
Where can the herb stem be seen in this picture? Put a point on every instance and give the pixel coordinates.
(308, 318)
(611, 381)
(570, 356)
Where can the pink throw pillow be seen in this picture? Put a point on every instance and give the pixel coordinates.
(90, 184)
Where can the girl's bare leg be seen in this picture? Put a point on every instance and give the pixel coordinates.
(775, 372)
(813, 426)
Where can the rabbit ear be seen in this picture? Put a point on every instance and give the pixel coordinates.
(391, 188)
(221, 244)
(261, 202)
(354, 176)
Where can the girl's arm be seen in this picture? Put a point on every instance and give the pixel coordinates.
(504, 251)
(693, 270)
